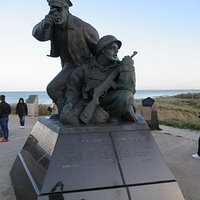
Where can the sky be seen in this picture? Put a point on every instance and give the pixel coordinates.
(165, 33)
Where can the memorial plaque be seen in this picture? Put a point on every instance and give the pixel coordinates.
(38, 150)
(35, 156)
(140, 158)
(83, 161)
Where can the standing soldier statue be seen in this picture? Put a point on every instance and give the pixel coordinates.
(72, 39)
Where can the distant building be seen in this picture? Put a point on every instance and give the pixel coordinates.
(32, 104)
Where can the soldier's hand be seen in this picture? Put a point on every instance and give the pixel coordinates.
(127, 64)
(48, 21)
(127, 60)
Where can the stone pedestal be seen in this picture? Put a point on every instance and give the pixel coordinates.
(32, 104)
(109, 162)
(149, 112)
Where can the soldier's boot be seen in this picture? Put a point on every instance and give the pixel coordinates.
(100, 116)
(130, 113)
(60, 104)
(69, 114)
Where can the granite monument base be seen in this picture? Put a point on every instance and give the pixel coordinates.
(104, 162)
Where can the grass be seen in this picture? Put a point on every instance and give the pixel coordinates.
(179, 111)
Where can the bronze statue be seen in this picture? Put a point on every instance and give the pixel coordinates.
(101, 90)
(72, 39)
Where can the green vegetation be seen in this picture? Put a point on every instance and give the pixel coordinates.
(13, 108)
(179, 111)
(42, 110)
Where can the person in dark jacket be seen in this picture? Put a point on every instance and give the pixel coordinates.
(5, 110)
(21, 111)
(197, 155)
(71, 39)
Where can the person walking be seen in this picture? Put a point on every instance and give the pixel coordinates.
(5, 110)
(21, 111)
(197, 155)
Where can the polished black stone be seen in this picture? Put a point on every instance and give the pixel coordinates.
(88, 162)
(107, 194)
(33, 160)
(83, 161)
(140, 158)
(148, 102)
(164, 191)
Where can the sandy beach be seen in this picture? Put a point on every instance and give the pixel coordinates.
(176, 146)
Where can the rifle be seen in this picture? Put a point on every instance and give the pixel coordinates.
(100, 91)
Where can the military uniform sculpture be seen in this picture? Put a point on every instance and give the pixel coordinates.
(102, 90)
(72, 39)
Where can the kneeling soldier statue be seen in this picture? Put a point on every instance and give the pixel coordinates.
(102, 90)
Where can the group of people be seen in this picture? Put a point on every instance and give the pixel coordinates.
(5, 110)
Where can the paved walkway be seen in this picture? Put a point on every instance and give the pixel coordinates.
(185, 133)
(176, 145)
(9, 151)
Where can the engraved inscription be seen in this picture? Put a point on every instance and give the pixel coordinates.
(132, 145)
(45, 136)
(88, 149)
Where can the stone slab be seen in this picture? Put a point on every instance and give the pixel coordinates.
(61, 161)
(83, 161)
(106, 194)
(165, 191)
(139, 157)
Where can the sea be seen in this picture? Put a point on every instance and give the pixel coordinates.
(13, 97)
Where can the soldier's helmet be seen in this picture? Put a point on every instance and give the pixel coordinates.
(106, 40)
